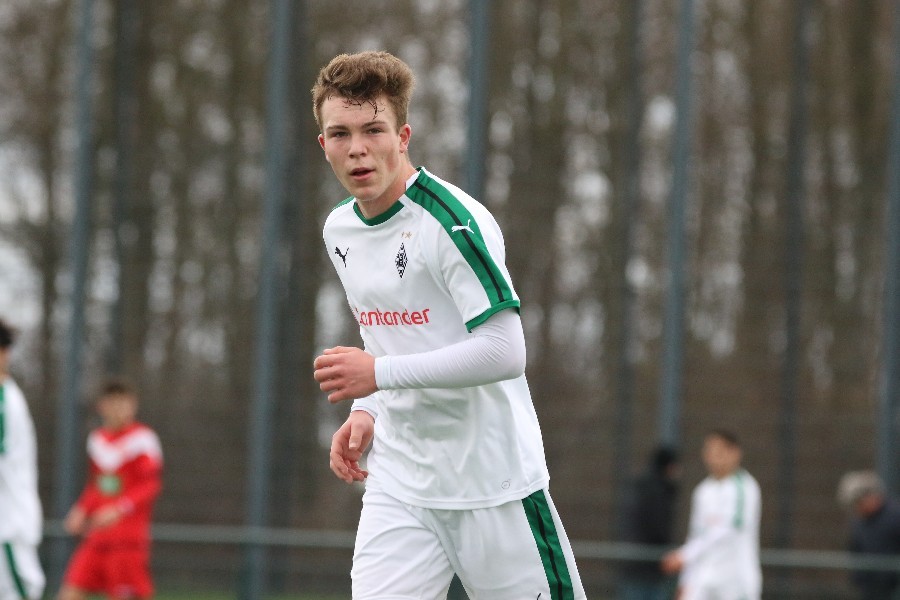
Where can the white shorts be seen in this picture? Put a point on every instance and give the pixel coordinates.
(515, 551)
(719, 592)
(21, 576)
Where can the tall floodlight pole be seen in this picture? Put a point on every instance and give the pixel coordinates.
(630, 199)
(479, 67)
(259, 440)
(889, 385)
(793, 273)
(673, 331)
(66, 468)
(124, 113)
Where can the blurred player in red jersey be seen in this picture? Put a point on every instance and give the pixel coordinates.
(113, 512)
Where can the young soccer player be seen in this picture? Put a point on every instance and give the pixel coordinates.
(456, 480)
(21, 576)
(113, 512)
(720, 559)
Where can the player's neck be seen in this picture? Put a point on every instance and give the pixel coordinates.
(373, 208)
(724, 474)
(118, 426)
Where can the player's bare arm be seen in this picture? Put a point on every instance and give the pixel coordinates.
(106, 516)
(348, 444)
(345, 373)
(75, 521)
(672, 562)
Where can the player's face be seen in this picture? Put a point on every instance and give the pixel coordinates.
(720, 457)
(4, 362)
(366, 150)
(117, 410)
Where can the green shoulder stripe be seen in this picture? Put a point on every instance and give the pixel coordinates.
(738, 521)
(458, 222)
(343, 202)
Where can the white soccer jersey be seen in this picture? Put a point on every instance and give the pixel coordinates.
(20, 505)
(419, 277)
(721, 555)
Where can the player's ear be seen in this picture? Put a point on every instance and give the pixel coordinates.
(322, 144)
(405, 135)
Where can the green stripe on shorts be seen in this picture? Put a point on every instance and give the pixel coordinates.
(13, 571)
(544, 530)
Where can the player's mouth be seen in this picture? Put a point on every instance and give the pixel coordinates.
(361, 173)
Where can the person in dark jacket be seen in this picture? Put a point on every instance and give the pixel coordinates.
(875, 529)
(647, 520)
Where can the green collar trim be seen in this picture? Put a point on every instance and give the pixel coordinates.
(378, 219)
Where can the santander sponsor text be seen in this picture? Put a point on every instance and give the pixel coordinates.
(369, 318)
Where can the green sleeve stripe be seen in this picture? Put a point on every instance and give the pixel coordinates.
(543, 529)
(450, 213)
(490, 312)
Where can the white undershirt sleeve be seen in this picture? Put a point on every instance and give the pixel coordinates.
(367, 404)
(495, 351)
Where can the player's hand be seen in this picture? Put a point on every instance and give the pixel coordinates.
(345, 373)
(672, 562)
(75, 521)
(348, 444)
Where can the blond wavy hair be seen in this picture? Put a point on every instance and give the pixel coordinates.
(362, 78)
